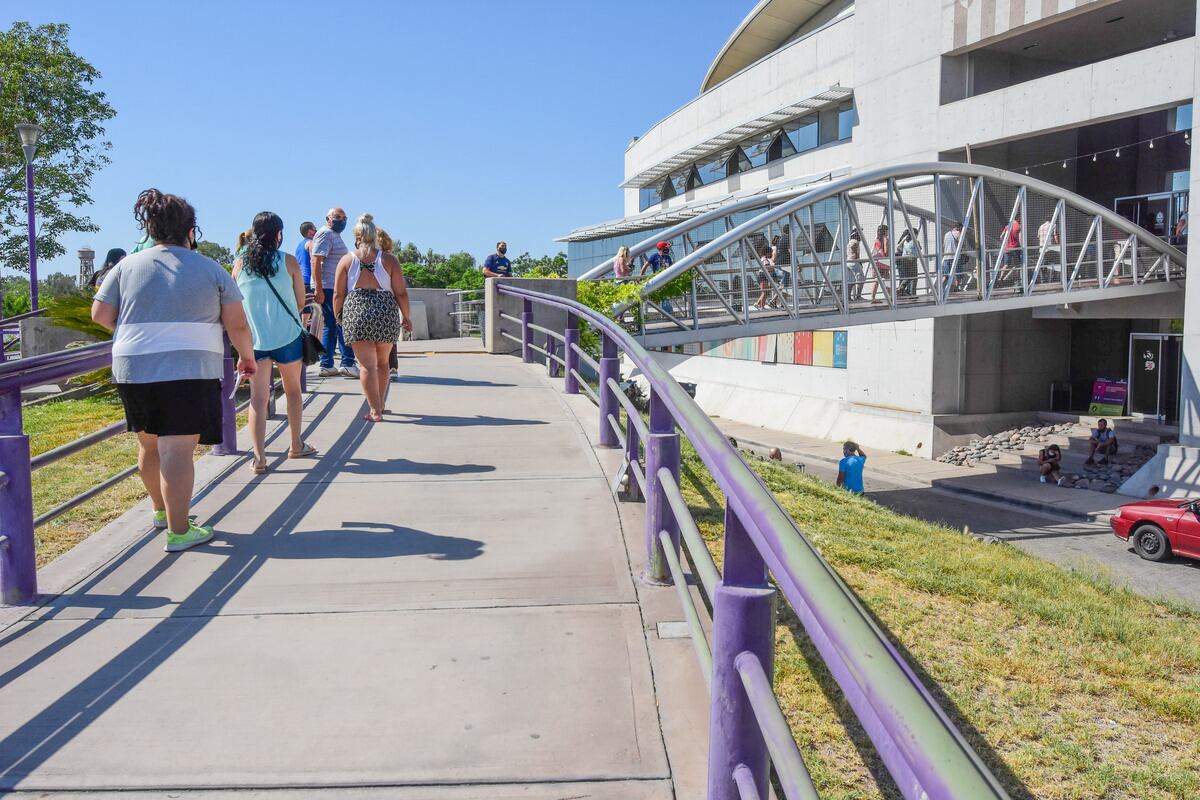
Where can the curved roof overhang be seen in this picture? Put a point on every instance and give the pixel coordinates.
(764, 30)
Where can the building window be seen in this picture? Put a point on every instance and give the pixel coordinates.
(803, 134)
(830, 126)
(650, 196)
(847, 119)
(738, 162)
(757, 150)
(714, 168)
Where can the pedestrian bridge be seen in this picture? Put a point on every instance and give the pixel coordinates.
(458, 602)
(1063, 248)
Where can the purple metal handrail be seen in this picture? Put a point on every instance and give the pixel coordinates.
(919, 745)
(18, 565)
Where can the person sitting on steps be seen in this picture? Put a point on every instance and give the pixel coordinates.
(1103, 441)
(1050, 464)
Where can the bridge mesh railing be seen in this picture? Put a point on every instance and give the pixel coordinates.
(881, 242)
(918, 744)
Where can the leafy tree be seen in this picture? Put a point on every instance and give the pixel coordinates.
(218, 253)
(56, 285)
(43, 81)
(526, 266)
(16, 296)
(408, 254)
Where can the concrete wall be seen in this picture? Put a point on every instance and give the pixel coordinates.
(965, 24)
(802, 69)
(544, 316)
(39, 337)
(438, 306)
(1009, 360)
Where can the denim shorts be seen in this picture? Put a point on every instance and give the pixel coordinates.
(293, 351)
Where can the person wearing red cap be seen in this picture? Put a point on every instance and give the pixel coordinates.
(659, 260)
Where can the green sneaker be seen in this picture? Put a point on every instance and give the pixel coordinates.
(196, 534)
(160, 520)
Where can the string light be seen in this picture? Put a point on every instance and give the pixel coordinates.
(1116, 151)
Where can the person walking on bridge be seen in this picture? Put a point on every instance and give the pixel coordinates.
(272, 295)
(368, 286)
(327, 250)
(167, 306)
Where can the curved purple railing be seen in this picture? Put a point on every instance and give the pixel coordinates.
(18, 569)
(921, 748)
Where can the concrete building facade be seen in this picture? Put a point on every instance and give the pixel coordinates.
(1091, 95)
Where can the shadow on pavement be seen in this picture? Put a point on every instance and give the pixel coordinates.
(48, 731)
(436, 421)
(433, 380)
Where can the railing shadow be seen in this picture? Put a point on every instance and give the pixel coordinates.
(858, 735)
(438, 421)
(432, 380)
(47, 732)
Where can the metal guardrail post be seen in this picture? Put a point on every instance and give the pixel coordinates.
(633, 452)
(743, 622)
(609, 368)
(552, 367)
(18, 565)
(526, 333)
(228, 445)
(272, 408)
(571, 341)
(662, 450)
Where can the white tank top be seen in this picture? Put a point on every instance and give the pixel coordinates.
(381, 273)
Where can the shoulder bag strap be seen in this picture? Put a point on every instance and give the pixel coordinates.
(286, 308)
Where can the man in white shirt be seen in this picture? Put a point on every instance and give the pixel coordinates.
(949, 247)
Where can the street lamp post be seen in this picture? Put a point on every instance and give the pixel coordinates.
(30, 134)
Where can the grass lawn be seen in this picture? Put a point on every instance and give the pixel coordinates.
(1067, 686)
(50, 425)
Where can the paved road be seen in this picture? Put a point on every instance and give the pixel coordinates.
(1071, 544)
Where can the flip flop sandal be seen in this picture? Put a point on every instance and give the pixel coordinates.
(306, 451)
(258, 468)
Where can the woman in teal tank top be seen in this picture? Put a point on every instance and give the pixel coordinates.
(272, 294)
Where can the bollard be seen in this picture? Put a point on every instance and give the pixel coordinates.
(743, 622)
(18, 565)
(228, 445)
(527, 332)
(553, 368)
(609, 368)
(662, 451)
(633, 452)
(571, 337)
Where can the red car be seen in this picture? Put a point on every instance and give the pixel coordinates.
(1160, 528)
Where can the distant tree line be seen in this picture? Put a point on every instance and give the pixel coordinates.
(431, 270)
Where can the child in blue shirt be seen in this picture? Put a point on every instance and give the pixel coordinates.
(850, 468)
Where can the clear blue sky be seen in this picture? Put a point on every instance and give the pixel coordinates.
(454, 123)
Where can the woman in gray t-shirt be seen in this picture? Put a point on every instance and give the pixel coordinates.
(168, 306)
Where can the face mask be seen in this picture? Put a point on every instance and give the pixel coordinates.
(338, 225)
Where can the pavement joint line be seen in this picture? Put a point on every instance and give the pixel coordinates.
(538, 478)
(338, 611)
(638, 586)
(184, 791)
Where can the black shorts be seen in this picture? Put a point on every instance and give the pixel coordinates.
(174, 408)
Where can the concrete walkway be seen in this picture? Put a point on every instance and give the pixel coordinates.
(442, 604)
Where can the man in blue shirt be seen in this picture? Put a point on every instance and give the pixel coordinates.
(303, 255)
(850, 468)
(497, 264)
(659, 260)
